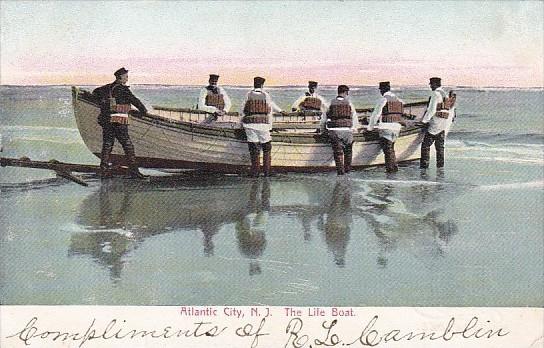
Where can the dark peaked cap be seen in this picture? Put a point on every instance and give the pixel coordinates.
(120, 72)
(312, 83)
(259, 80)
(435, 80)
(214, 77)
(343, 88)
(385, 85)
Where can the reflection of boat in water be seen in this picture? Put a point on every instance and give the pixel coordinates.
(123, 214)
(182, 138)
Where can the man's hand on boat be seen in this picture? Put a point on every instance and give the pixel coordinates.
(218, 113)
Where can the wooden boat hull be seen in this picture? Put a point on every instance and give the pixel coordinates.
(163, 142)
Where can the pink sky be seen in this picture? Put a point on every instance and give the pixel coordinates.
(357, 43)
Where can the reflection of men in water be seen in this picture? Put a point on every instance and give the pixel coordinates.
(115, 102)
(394, 225)
(209, 230)
(307, 226)
(336, 227)
(107, 246)
(251, 226)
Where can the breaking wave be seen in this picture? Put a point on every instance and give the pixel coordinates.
(400, 182)
(513, 186)
(500, 152)
(498, 137)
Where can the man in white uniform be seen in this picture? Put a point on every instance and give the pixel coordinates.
(214, 99)
(257, 120)
(310, 101)
(438, 119)
(341, 121)
(387, 118)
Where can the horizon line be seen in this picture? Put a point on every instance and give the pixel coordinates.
(250, 86)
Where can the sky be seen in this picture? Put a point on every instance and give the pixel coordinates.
(477, 43)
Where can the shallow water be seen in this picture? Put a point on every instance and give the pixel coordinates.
(470, 236)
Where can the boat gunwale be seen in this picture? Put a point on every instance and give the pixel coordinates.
(237, 134)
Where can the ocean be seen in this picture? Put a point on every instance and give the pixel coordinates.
(471, 235)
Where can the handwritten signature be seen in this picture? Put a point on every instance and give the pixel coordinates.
(295, 336)
(372, 337)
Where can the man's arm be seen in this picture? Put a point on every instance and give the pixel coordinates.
(354, 118)
(376, 113)
(324, 103)
(273, 105)
(273, 108)
(431, 109)
(228, 103)
(323, 120)
(296, 104)
(137, 103)
(243, 107)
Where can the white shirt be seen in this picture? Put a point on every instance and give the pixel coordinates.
(211, 109)
(273, 108)
(354, 118)
(324, 104)
(387, 130)
(437, 124)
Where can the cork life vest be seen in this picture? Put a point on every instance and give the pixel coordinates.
(119, 111)
(442, 109)
(256, 109)
(311, 103)
(215, 99)
(392, 111)
(339, 114)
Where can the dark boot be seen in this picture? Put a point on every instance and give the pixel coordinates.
(390, 157)
(348, 151)
(394, 165)
(105, 165)
(339, 161)
(136, 174)
(439, 147)
(426, 151)
(108, 139)
(105, 173)
(267, 158)
(254, 155)
(128, 147)
(133, 170)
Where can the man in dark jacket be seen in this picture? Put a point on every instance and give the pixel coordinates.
(115, 101)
